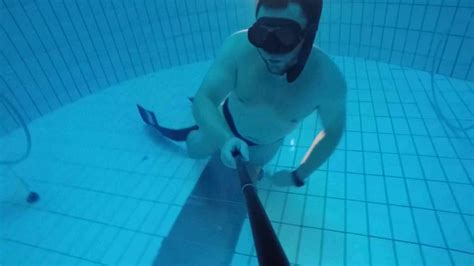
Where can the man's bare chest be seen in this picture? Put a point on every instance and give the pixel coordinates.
(285, 101)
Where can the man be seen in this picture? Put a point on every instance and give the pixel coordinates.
(263, 82)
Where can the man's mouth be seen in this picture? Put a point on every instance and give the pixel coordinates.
(272, 61)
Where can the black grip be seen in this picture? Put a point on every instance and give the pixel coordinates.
(267, 245)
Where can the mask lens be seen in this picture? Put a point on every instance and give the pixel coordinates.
(257, 35)
(275, 36)
(287, 37)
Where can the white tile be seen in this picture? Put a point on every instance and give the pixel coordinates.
(171, 191)
(156, 188)
(309, 252)
(138, 216)
(287, 156)
(289, 238)
(314, 212)
(117, 248)
(135, 249)
(185, 191)
(293, 212)
(151, 251)
(124, 212)
(168, 221)
(154, 218)
(89, 233)
(239, 260)
(245, 242)
(274, 205)
(101, 243)
(333, 248)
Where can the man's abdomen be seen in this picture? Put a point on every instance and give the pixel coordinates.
(258, 123)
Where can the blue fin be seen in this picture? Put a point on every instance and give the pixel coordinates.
(174, 134)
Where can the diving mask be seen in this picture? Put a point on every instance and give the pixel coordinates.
(276, 35)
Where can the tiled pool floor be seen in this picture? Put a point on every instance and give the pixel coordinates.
(398, 189)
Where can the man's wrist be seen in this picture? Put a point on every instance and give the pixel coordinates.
(297, 180)
(224, 137)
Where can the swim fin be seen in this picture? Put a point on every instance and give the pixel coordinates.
(174, 134)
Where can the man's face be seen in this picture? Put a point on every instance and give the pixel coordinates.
(278, 64)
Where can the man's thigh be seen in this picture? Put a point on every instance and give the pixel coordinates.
(201, 144)
(262, 154)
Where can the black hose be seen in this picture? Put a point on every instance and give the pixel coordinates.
(22, 122)
(269, 249)
(32, 196)
(435, 102)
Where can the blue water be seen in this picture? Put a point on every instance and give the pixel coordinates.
(398, 190)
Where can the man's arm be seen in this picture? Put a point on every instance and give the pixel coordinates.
(333, 118)
(217, 84)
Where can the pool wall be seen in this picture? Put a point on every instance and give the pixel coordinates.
(55, 52)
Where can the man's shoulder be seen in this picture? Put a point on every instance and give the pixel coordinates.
(331, 75)
(237, 47)
(323, 63)
(233, 48)
(240, 42)
(239, 36)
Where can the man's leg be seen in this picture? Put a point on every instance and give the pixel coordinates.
(260, 155)
(199, 145)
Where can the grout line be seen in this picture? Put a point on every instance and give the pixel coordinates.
(390, 219)
(407, 192)
(466, 225)
(365, 181)
(295, 165)
(49, 250)
(430, 195)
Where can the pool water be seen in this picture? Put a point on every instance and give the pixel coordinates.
(398, 189)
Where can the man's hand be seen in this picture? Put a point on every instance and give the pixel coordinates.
(229, 146)
(283, 178)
